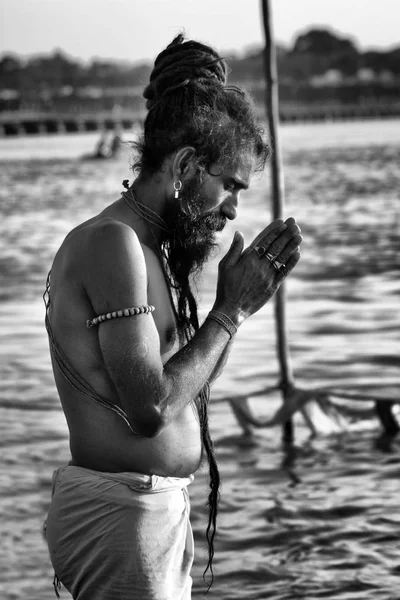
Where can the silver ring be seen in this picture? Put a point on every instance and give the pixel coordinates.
(279, 266)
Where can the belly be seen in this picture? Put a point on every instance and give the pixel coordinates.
(104, 442)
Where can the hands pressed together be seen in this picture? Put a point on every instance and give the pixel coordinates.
(248, 278)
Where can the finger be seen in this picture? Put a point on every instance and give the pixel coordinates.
(273, 230)
(288, 268)
(275, 247)
(291, 221)
(276, 244)
(291, 247)
(235, 250)
(281, 261)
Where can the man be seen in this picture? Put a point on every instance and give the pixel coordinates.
(131, 363)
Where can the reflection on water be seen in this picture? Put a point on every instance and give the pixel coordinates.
(318, 522)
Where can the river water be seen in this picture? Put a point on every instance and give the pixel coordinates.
(319, 521)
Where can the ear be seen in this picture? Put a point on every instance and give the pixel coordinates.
(182, 164)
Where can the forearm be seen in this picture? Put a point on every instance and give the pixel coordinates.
(191, 367)
(221, 362)
(153, 394)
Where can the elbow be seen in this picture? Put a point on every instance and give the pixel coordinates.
(150, 429)
(149, 425)
(150, 417)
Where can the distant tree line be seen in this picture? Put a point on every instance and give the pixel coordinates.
(320, 66)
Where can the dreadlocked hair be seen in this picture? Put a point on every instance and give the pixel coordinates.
(188, 324)
(190, 104)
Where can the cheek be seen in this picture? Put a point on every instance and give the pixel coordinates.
(212, 197)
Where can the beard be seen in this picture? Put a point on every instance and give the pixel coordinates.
(192, 234)
(187, 246)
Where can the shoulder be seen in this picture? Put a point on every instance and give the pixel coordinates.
(113, 264)
(107, 234)
(109, 243)
(101, 237)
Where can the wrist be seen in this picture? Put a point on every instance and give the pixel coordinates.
(235, 314)
(223, 320)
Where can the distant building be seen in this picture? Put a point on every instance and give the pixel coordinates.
(386, 77)
(332, 77)
(366, 75)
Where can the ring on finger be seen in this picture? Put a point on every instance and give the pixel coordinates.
(279, 266)
(262, 253)
(260, 250)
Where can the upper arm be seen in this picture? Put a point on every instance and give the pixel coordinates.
(116, 278)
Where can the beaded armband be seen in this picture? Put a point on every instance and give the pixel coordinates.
(125, 312)
(223, 320)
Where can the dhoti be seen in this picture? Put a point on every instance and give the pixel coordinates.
(120, 536)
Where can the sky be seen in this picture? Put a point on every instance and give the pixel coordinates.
(136, 30)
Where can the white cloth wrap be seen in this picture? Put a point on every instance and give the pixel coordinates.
(120, 536)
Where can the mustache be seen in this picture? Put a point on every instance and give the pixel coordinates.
(212, 222)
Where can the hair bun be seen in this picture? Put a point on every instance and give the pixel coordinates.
(183, 63)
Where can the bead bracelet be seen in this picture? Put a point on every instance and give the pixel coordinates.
(125, 312)
(223, 320)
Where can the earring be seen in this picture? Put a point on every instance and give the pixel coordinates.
(177, 187)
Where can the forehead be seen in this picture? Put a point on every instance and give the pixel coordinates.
(241, 169)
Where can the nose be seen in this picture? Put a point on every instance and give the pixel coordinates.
(229, 207)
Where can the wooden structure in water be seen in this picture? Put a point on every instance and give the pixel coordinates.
(30, 122)
(27, 123)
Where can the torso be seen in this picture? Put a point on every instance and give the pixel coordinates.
(99, 438)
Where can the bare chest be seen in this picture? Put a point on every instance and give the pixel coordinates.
(159, 296)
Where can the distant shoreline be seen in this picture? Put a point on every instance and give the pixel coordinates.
(20, 123)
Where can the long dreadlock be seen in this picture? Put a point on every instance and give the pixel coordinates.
(189, 104)
(188, 324)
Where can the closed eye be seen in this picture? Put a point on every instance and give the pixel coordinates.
(233, 185)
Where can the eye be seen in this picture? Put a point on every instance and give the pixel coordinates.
(230, 187)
